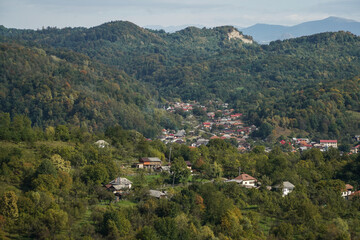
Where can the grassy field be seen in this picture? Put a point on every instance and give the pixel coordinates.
(148, 178)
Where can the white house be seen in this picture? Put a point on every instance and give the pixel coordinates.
(286, 187)
(347, 191)
(244, 180)
(355, 149)
(328, 143)
(102, 144)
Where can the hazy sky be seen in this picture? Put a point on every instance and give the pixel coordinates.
(35, 14)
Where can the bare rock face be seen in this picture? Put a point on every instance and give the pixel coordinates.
(236, 35)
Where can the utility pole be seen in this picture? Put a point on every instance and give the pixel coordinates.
(173, 182)
(170, 154)
(239, 171)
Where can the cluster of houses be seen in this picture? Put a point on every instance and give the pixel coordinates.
(223, 123)
(286, 187)
(303, 144)
(172, 136)
(155, 164)
(121, 187)
(247, 181)
(186, 107)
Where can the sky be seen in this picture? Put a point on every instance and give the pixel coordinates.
(35, 14)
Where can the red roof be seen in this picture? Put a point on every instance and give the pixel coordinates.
(357, 193)
(348, 186)
(245, 177)
(207, 123)
(236, 115)
(328, 141)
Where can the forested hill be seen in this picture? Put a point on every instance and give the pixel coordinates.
(61, 87)
(262, 81)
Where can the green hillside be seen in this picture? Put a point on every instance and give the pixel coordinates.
(262, 81)
(63, 87)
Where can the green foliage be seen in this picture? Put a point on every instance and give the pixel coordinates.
(180, 172)
(8, 203)
(69, 88)
(95, 174)
(115, 224)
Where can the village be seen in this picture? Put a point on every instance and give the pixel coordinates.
(221, 122)
(205, 123)
(217, 121)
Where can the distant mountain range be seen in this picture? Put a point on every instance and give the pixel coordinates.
(265, 33)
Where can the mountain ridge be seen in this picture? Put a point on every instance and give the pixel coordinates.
(206, 64)
(264, 33)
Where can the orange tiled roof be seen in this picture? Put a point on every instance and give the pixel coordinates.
(245, 177)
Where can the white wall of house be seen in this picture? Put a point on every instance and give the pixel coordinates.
(286, 191)
(249, 183)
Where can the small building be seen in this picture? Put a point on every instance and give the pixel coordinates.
(200, 142)
(119, 187)
(121, 183)
(347, 191)
(101, 143)
(328, 143)
(149, 163)
(189, 165)
(211, 115)
(286, 187)
(244, 180)
(164, 169)
(355, 149)
(157, 194)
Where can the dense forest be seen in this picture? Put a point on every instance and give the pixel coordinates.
(62, 87)
(309, 85)
(52, 188)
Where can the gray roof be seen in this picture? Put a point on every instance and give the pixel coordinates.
(165, 168)
(180, 133)
(156, 193)
(151, 159)
(120, 181)
(285, 184)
